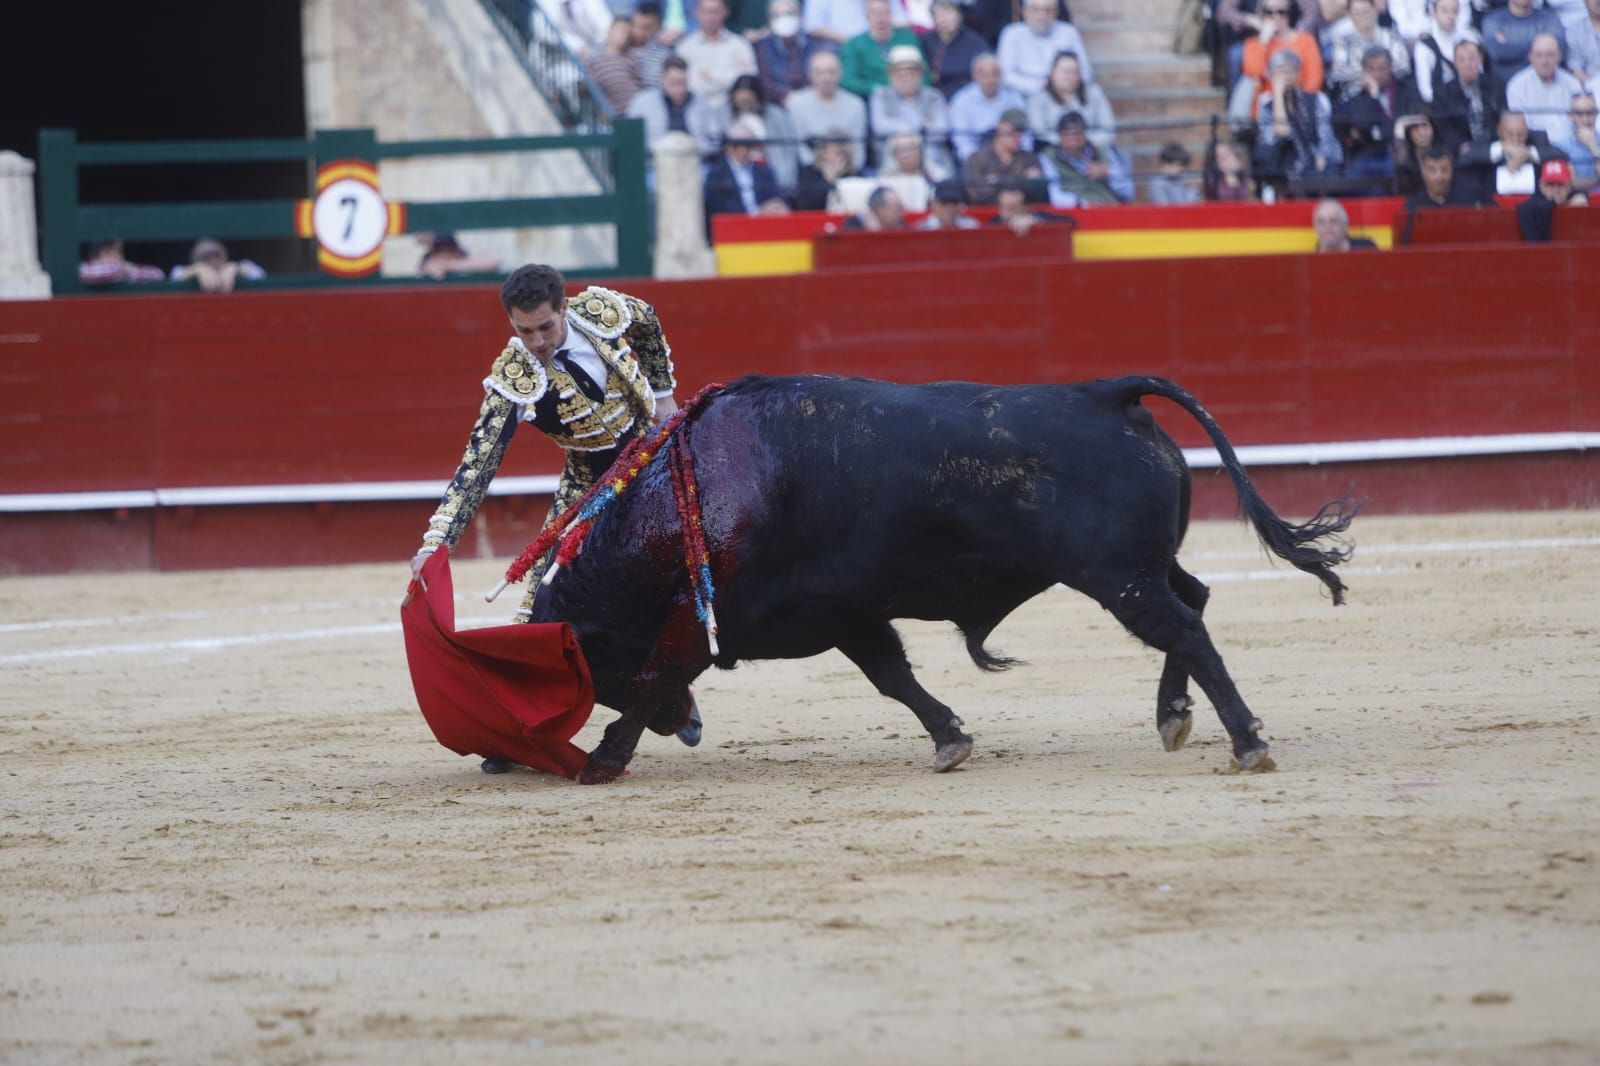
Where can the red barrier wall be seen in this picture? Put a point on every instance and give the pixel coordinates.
(138, 392)
(860, 248)
(1471, 225)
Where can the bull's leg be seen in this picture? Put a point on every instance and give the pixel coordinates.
(1173, 702)
(610, 757)
(1152, 611)
(876, 649)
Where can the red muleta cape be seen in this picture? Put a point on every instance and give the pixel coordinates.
(518, 692)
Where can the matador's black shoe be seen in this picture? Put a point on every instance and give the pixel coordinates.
(498, 766)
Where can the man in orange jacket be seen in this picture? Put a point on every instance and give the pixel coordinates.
(1276, 34)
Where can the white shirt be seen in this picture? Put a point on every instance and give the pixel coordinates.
(1411, 18)
(1026, 58)
(1569, 10)
(1548, 104)
(713, 65)
(1423, 61)
(583, 355)
(848, 18)
(1521, 181)
(744, 177)
(812, 116)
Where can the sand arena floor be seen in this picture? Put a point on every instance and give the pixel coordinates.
(226, 835)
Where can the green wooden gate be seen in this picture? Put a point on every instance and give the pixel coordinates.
(67, 223)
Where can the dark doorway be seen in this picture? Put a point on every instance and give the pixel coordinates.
(186, 70)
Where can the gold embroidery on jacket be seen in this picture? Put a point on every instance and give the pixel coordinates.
(627, 336)
(485, 447)
(650, 346)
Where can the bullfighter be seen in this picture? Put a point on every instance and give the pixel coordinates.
(591, 373)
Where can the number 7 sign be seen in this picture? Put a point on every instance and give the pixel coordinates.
(349, 218)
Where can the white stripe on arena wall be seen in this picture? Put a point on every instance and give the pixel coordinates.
(333, 492)
(1357, 451)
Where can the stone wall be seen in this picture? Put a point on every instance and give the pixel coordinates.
(420, 69)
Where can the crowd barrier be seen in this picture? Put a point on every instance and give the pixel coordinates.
(755, 246)
(1466, 225)
(176, 431)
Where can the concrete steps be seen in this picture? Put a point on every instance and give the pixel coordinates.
(1153, 70)
(1106, 38)
(1157, 96)
(1165, 11)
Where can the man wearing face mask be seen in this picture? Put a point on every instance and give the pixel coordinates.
(784, 55)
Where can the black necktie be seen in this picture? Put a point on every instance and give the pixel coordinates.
(580, 377)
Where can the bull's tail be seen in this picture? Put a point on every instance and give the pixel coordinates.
(1295, 544)
(982, 657)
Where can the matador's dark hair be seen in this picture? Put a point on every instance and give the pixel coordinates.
(532, 287)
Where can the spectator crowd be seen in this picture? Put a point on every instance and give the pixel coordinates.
(877, 108)
(1445, 102)
(827, 104)
(817, 104)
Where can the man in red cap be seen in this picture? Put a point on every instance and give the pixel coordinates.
(1537, 212)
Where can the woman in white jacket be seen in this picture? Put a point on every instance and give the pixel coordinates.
(1410, 17)
(1432, 54)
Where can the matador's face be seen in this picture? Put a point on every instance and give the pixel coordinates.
(543, 329)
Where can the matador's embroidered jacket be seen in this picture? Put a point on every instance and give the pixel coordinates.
(626, 334)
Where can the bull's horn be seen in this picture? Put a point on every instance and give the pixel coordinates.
(488, 597)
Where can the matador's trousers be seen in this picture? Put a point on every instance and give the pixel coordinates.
(583, 469)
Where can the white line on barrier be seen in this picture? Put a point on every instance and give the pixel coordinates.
(232, 495)
(1256, 455)
(1359, 451)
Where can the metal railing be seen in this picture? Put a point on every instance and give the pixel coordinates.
(67, 222)
(559, 76)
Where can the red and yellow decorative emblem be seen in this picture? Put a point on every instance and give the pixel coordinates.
(349, 218)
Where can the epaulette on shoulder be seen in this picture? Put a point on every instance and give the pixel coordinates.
(638, 310)
(516, 375)
(603, 312)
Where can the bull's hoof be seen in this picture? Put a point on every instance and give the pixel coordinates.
(1175, 730)
(595, 772)
(1256, 760)
(951, 755)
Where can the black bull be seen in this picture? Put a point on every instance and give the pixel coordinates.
(834, 506)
